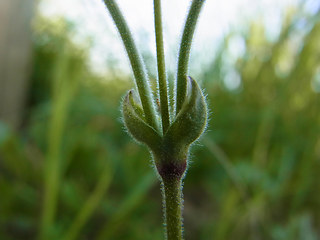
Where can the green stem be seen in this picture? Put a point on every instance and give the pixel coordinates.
(161, 67)
(184, 52)
(136, 62)
(172, 191)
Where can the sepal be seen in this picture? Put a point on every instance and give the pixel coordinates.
(191, 121)
(135, 122)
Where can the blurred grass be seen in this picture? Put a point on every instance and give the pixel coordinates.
(73, 173)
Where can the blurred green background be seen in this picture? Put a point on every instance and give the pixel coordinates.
(68, 169)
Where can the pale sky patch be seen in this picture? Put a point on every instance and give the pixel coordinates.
(217, 18)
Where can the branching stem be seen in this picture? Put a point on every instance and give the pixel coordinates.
(170, 171)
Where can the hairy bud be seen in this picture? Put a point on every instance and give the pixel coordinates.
(192, 118)
(135, 122)
(171, 150)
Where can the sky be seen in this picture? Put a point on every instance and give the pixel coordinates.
(217, 19)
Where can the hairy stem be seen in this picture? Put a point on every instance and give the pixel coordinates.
(136, 63)
(172, 193)
(161, 67)
(184, 53)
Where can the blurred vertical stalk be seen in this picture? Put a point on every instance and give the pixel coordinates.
(63, 88)
(90, 205)
(129, 203)
(15, 58)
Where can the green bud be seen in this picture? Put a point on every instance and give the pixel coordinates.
(170, 151)
(135, 122)
(192, 118)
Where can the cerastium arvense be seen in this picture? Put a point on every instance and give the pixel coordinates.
(167, 135)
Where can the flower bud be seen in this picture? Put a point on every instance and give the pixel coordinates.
(135, 122)
(171, 156)
(170, 151)
(191, 121)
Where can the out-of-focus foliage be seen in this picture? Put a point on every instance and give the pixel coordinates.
(266, 134)
(255, 175)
